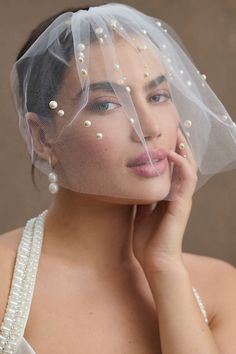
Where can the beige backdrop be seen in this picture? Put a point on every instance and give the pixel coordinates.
(209, 32)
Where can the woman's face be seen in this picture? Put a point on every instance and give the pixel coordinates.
(99, 166)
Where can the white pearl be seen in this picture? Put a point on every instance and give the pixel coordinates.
(165, 30)
(84, 72)
(188, 123)
(116, 66)
(99, 136)
(144, 31)
(81, 46)
(131, 120)
(87, 123)
(81, 60)
(61, 113)
(224, 117)
(52, 177)
(146, 74)
(127, 88)
(53, 104)
(181, 72)
(101, 40)
(53, 188)
(99, 30)
(158, 23)
(113, 23)
(189, 83)
(164, 46)
(81, 54)
(204, 76)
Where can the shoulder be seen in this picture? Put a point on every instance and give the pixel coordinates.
(215, 281)
(9, 242)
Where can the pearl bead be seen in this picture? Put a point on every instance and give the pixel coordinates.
(181, 146)
(113, 23)
(204, 76)
(128, 89)
(87, 123)
(53, 188)
(81, 60)
(189, 83)
(101, 40)
(224, 117)
(52, 177)
(99, 30)
(131, 120)
(53, 104)
(61, 113)
(181, 72)
(99, 136)
(116, 66)
(158, 23)
(146, 74)
(188, 123)
(81, 46)
(84, 72)
(144, 31)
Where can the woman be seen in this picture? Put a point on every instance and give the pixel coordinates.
(112, 275)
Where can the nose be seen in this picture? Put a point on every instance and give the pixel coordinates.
(149, 122)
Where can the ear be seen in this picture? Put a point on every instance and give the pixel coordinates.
(37, 131)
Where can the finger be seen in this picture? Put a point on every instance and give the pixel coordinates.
(185, 172)
(187, 150)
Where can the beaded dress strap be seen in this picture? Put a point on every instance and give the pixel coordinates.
(201, 306)
(22, 287)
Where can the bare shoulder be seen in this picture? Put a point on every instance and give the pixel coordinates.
(9, 242)
(212, 278)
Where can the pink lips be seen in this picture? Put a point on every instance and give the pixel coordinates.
(142, 159)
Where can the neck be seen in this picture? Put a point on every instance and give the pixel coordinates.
(90, 231)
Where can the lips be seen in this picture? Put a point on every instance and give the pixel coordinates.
(157, 154)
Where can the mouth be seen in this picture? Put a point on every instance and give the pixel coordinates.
(156, 156)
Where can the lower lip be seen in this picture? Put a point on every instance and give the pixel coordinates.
(148, 171)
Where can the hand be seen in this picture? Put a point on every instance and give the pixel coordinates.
(158, 234)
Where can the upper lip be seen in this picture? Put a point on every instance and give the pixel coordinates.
(156, 154)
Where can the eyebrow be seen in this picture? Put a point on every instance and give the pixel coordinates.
(108, 87)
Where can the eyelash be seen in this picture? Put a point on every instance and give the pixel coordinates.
(94, 107)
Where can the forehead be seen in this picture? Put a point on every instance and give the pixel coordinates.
(133, 59)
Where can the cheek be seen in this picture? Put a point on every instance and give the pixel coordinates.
(80, 150)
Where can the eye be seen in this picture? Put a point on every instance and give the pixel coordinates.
(164, 97)
(102, 106)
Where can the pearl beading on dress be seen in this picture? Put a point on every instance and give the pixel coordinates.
(23, 283)
(201, 306)
(20, 297)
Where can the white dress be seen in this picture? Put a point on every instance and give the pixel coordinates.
(12, 339)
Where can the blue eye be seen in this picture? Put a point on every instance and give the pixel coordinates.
(166, 96)
(101, 106)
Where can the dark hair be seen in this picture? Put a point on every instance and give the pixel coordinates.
(42, 66)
